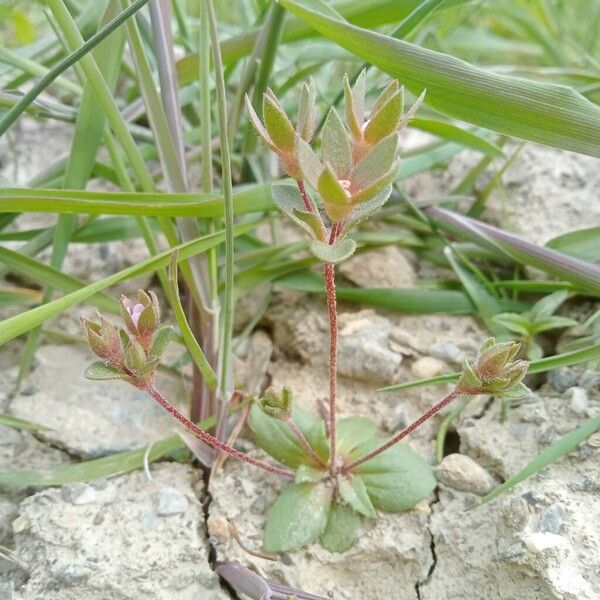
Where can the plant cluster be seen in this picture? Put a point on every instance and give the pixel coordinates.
(342, 469)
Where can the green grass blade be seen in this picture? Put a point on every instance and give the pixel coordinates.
(555, 115)
(566, 359)
(14, 326)
(583, 244)
(566, 444)
(21, 424)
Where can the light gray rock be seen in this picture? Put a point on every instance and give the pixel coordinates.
(579, 401)
(90, 418)
(462, 473)
(426, 367)
(171, 501)
(106, 549)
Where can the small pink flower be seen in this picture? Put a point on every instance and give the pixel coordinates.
(135, 312)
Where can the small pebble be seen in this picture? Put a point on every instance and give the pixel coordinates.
(579, 401)
(464, 474)
(171, 502)
(426, 367)
(449, 351)
(540, 542)
(79, 494)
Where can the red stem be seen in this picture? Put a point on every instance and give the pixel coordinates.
(455, 393)
(329, 272)
(305, 198)
(305, 443)
(213, 441)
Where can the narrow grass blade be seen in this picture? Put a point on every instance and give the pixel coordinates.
(555, 115)
(566, 444)
(583, 244)
(210, 378)
(566, 359)
(21, 424)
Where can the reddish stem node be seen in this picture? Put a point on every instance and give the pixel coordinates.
(213, 441)
(455, 393)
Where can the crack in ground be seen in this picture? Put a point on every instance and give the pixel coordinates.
(423, 582)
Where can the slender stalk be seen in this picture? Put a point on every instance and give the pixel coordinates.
(305, 197)
(213, 441)
(227, 331)
(329, 273)
(455, 393)
(305, 443)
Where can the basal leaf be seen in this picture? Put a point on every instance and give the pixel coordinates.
(353, 492)
(298, 517)
(341, 530)
(397, 479)
(353, 431)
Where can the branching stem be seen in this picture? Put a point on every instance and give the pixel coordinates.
(305, 443)
(211, 440)
(455, 393)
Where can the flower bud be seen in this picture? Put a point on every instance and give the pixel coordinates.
(277, 406)
(104, 341)
(142, 319)
(494, 370)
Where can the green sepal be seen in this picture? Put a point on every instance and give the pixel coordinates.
(335, 253)
(306, 474)
(391, 89)
(100, 371)
(310, 165)
(353, 492)
(397, 479)
(330, 188)
(335, 146)
(305, 126)
(369, 192)
(342, 529)
(520, 390)
(259, 128)
(298, 517)
(277, 439)
(162, 339)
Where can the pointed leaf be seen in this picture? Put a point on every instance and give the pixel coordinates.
(353, 491)
(163, 336)
(335, 146)
(288, 200)
(397, 479)
(552, 322)
(101, 371)
(298, 517)
(353, 431)
(257, 124)
(352, 118)
(330, 188)
(520, 390)
(342, 529)
(391, 89)
(385, 121)
(382, 183)
(335, 253)
(310, 165)
(306, 111)
(280, 129)
(377, 162)
(361, 212)
(277, 439)
(549, 304)
(513, 322)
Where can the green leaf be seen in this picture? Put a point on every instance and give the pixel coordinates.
(306, 474)
(362, 211)
(330, 188)
(334, 253)
(513, 322)
(385, 121)
(162, 339)
(21, 424)
(549, 304)
(277, 124)
(566, 444)
(277, 439)
(583, 244)
(552, 322)
(397, 479)
(298, 517)
(353, 431)
(101, 371)
(353, 491)
(377, 162)
(306, 111)
(541, 112)
(452, 133)
(335, 145)
(288, 200)
(514, 393)
(310, 165)
(341, 530)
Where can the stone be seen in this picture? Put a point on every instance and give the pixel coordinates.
(170, 502)
(79, 494)
(385, 267)
(93, 418)
(579, 401)
(563, 378)
(426, 367)
(462, 473)
(74, 554)
(447, 351)
(540, 542)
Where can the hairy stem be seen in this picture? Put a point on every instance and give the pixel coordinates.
(211, 440)
(305, 197)
(305, 443)
(455, 393)
(329, 272)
